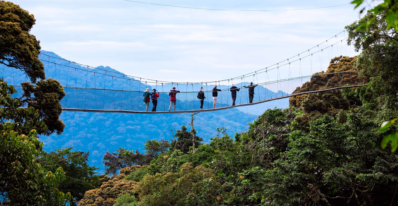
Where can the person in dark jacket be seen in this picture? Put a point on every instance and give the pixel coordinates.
(233, 90)
(251, 91)
(154, 97)
(173, 98)
(147, 98)
(215, 94)
(201, 97)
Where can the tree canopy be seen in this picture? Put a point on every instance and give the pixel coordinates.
(19, 48)
(79, 176)
(23, 180)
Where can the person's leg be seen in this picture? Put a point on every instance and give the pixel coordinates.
(215, 102)
(156, 104)
(251, 98)
(175, 103)
(201, 103)
(171, 103)
(233, 101)
(147, 106)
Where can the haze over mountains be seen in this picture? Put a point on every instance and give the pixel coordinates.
(102, 132)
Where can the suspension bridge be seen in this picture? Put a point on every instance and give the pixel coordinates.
(100, 89)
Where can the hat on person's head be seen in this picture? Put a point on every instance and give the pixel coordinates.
(154, 90)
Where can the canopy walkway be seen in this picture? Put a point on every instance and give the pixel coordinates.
(100, 89)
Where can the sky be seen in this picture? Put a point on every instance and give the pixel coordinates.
(177, 44)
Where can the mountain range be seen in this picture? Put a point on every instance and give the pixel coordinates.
(104, 87)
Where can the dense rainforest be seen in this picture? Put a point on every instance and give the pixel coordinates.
(327, 148)
(323, 150)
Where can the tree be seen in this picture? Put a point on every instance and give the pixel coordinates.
(388, 7)
(154, 147)
(378, 61)
(185, 140)
(18, 48)
(23, 180)
(80, 177)
(190, 186)
(124, 158)
(43, 109)
(333, 164)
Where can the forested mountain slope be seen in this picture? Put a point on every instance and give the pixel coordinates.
(98, 133)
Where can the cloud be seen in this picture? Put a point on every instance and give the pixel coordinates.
(139, 39)
(96, 153)
(101, 146)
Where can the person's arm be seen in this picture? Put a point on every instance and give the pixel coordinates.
(238, 89)
(219, 90)
(245, 86)
(177, 91)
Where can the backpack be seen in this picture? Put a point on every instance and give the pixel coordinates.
(198, 95)
(145, 96)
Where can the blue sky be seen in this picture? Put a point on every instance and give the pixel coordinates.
(181, 44)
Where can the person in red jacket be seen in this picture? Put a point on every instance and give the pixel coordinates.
(154, 97)
(173, 98)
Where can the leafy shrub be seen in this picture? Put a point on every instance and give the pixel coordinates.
(138, 174)
(23, 180)
(190, 186)
(126, 200)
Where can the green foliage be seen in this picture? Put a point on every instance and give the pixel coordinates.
(392, 137)
(189, 186)
(43, 109)
(378, 61)
(80, 177)
(154, 147)
(138, 174)
(126, 200)
(389, 7)
(18, 48)
(124, 158)
(334, 164)
(266, 139)
(47, 97)
(23, 180)
(184, 140)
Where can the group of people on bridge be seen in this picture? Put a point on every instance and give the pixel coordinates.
(154, 95)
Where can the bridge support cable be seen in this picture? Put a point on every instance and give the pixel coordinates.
(118, 75)
(72, 102)
(77, 96)
(217, 109)
(85, 94)
(340, 34)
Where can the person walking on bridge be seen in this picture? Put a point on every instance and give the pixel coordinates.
(147, 98)
(201, 97)
(215, 94)
(173, 98)
(233, 90)
(251, 91)
(154, 97)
